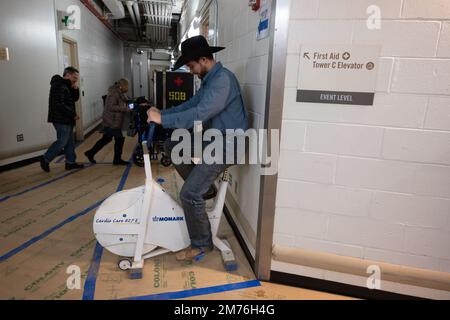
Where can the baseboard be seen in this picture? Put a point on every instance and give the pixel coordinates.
(336, 287)
(92, 127)
(18, 164)
(239, 237)
(33, 158)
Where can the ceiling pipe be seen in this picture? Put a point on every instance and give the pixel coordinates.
(137, 14)
(158, 19)
(166, 23)
(130, 10)
(147, 12)
(153, 21)
(216, 22)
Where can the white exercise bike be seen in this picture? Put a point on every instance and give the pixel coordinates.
(145, 222)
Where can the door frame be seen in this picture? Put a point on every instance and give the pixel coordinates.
(79, 131)
(279, 26)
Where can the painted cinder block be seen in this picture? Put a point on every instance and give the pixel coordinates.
(254, 98)
(429, 9)
(323, 198)
(438, 113)
(300, 222)
(304, 9)
(329, 247)
(444, 265)
(427, 241)
(292, 135)
(318, 32)
(410, 210)
(444, 41)
(344, 139)
(357, 9)
(256, 70)
(366, 232)
(432, 180)
(417, 145)
(401, 38)
(391, 110)
(282, 239)
(292, 66)
(385, 67)
(402, 259)
(421, 76)
(383, 175)
(307, 166)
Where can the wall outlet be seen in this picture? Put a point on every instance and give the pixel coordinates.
(19, 137)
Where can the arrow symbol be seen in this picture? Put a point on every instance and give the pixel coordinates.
(305, 55)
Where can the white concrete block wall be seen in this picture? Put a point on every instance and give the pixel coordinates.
(371, 181)
(28, 31)
(444, 40)
(101, 60)
(429, 9)
(248, 59)
(36, 50)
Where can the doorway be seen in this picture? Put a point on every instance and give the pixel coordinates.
(70, 58)
(139, 71)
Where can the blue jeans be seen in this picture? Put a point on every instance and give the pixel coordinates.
(198, 178)
(65, 140)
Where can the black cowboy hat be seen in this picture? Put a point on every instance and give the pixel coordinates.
(194, 48)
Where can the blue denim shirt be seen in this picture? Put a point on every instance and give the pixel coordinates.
(218, 104)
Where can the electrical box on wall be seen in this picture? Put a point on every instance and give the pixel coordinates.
(255, 4)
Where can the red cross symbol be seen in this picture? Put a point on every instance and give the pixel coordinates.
(178, 81)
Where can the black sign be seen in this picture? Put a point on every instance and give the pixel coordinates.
(336, 97)
(173, 88)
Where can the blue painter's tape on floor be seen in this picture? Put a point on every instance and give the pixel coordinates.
(91, 280)
(89, 285)
(39, 186)
(46, 233)
(160, 180)
(198, 291)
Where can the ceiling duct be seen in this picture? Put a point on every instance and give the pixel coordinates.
(116, 8)
(159, 21)
(137, 15)
(133, 18)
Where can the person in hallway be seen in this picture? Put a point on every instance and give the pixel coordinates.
(64, 92)
(219, 105)
(113, 116)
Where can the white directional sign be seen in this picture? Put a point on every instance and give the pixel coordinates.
(340, 74)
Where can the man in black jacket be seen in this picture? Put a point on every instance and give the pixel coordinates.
(64, 93)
